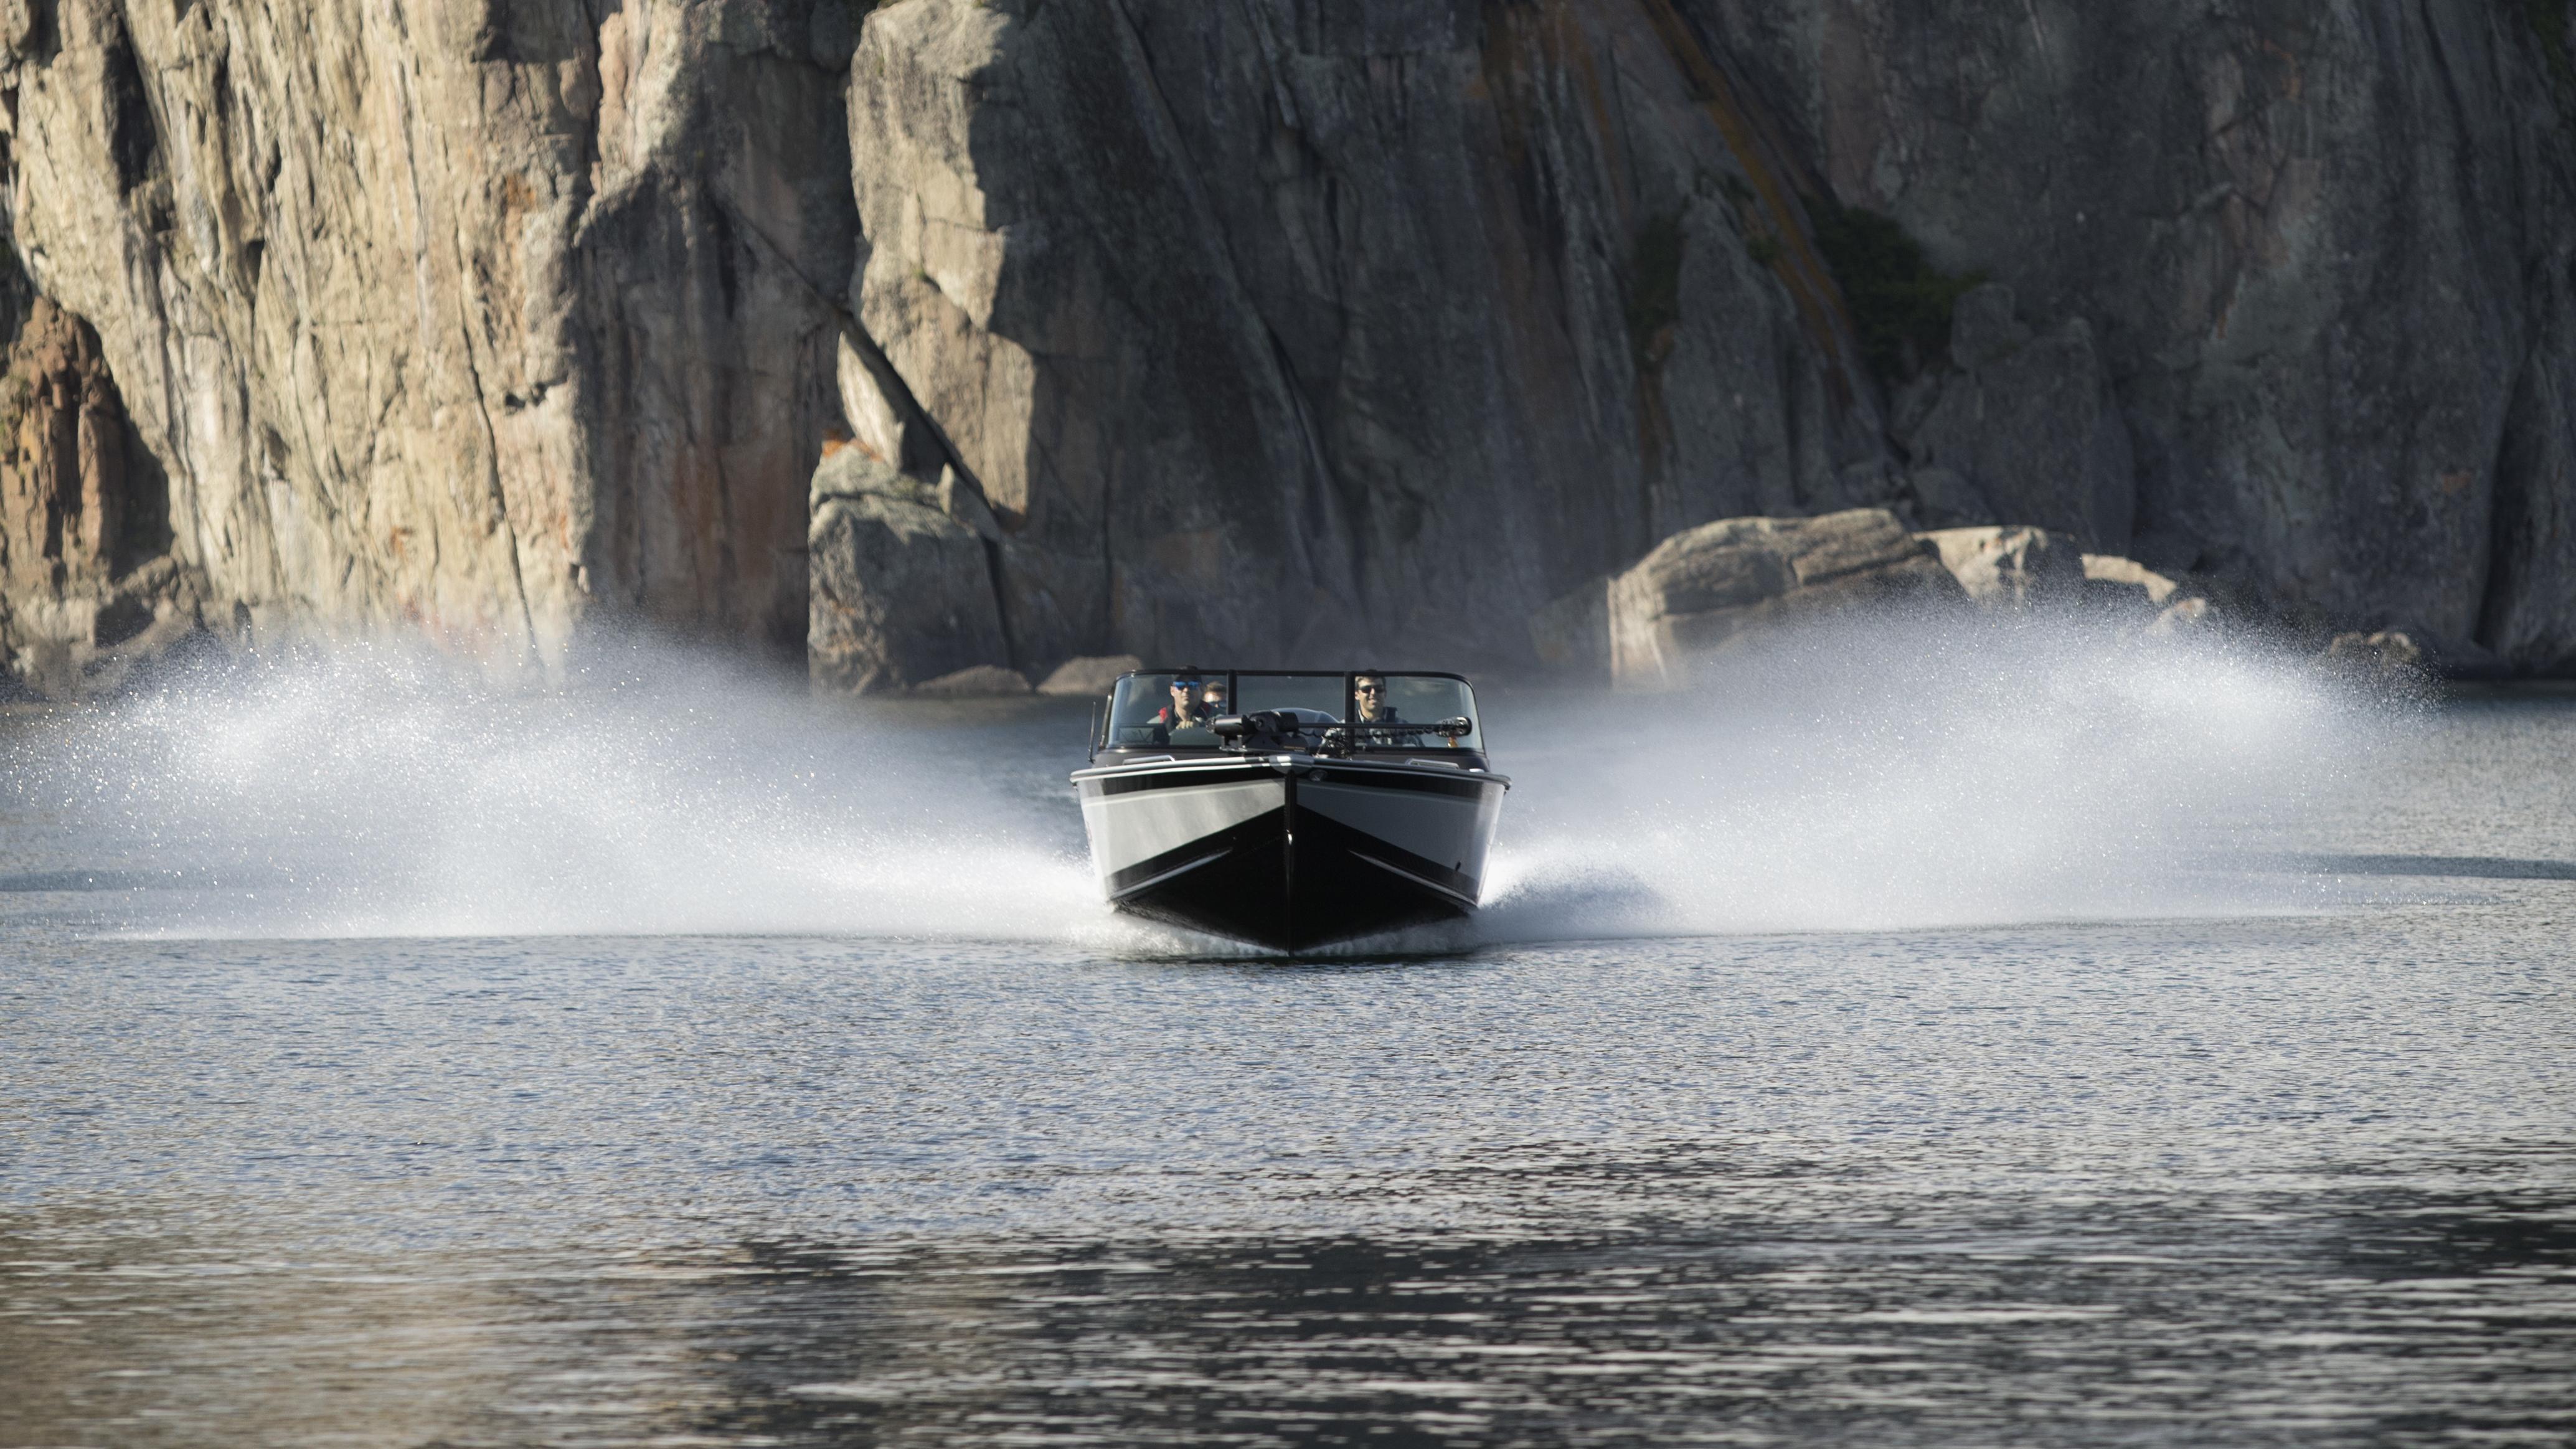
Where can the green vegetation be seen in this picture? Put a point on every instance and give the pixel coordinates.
(1764, 250)
(1655, 289)
(1900, 304)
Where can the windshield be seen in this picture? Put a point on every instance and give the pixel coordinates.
(1178, 709)
(1423, 699)
(1167, 709)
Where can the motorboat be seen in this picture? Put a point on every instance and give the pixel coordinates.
(1290, 810)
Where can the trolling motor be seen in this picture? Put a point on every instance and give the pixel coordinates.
(1264, 729)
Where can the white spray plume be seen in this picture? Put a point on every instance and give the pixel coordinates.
(380, 791)
(1860, 776)
(1894, 773)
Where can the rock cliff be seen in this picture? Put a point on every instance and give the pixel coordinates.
(1276, 329)
(2324, 253)
(466, 318)
(1281, 330)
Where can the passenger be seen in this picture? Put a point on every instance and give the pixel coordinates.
(1212, 702)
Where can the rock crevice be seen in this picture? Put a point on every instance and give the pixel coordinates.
(85, 574)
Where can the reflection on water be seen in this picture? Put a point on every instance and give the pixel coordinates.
(2333, 1308)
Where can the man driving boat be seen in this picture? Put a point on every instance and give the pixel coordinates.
(1369, 706)
(1185, 712)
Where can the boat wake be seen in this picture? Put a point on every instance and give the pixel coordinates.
(1890, 776)
(380, 791)
(1903, 775)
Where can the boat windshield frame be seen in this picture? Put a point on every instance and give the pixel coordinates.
(1336, 736)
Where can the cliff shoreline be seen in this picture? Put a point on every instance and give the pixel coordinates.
(936, 335)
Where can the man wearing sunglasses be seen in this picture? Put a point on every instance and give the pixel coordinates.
(1185, 712)
(1369, 706)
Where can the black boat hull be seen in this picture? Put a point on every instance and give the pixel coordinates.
(1291, 852)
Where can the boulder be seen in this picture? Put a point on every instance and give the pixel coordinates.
(1711, 588)
(2384, 659)
(2122, 583)
(975, 681)
(2010, 566)
(901, 593)
(1089, 674)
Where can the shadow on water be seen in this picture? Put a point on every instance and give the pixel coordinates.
(46, 882)
(2503, 1218)
(78, 881)
(1323, 962)
(2454, 867)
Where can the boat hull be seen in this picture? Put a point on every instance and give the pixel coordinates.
(1290, 852)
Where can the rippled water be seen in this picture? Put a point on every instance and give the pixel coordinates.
(2199, 1073)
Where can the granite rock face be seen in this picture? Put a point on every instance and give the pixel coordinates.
(454, 316)
(2280, 297)
(1276, 330)
(2027, 426)
(1282, 329)
(2324, 254)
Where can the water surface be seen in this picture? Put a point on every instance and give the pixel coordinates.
(420, 1073)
